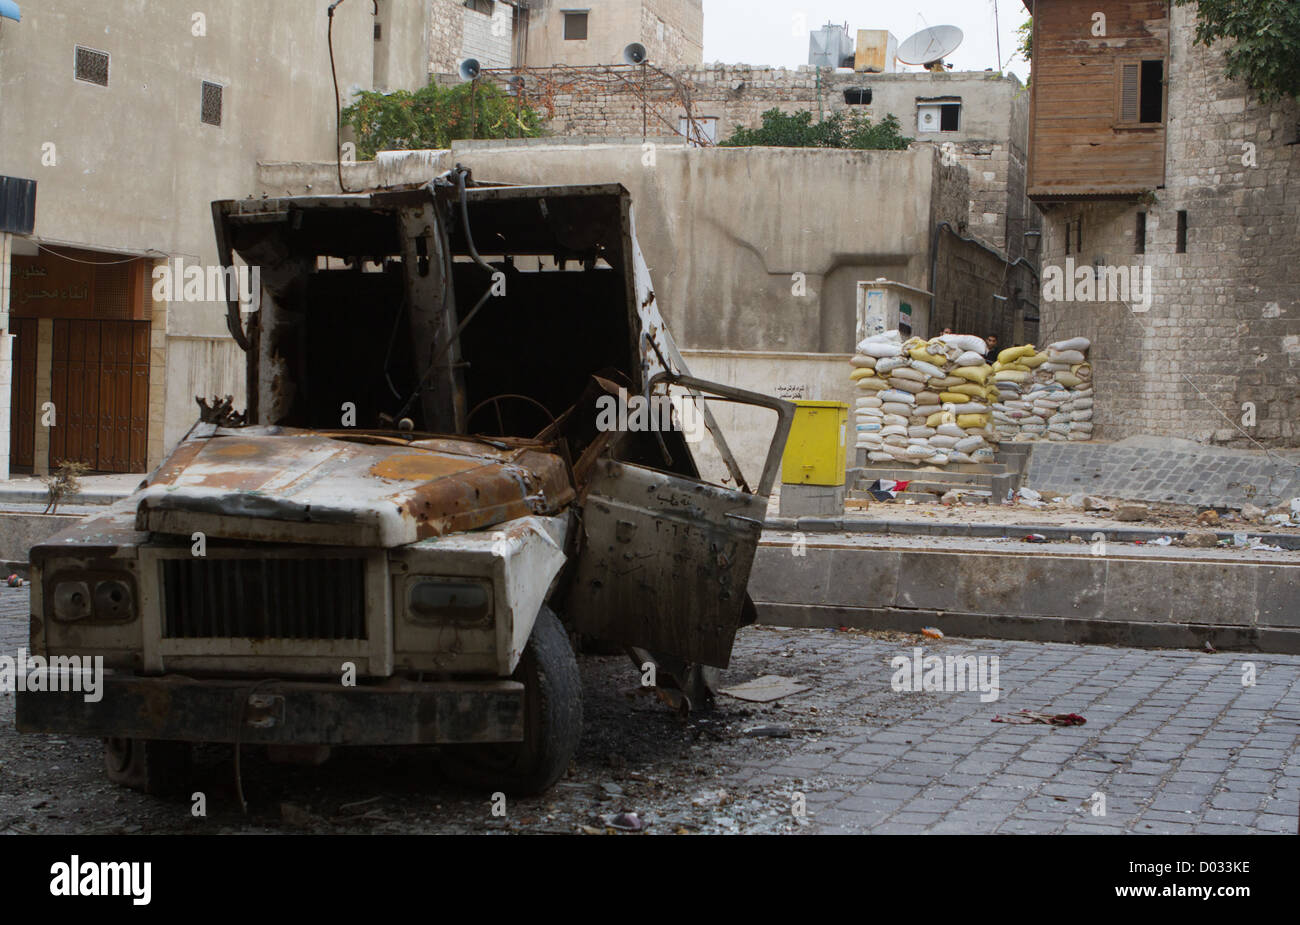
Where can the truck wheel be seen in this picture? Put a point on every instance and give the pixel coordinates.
(149, 765)
(552, 722)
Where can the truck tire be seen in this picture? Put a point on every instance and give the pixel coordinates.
(552, 722)
(151, 766)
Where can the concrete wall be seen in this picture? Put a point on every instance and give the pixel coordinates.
(134, 170)
(1225, 313)
(990, 142)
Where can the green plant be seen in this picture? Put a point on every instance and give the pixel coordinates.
(1265, 48)
(1025, 46)
(434, 116)
(797, 130)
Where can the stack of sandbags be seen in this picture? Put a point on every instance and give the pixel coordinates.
(1066, 380)
(1014, 417)
(1044, 394)
(924, 402)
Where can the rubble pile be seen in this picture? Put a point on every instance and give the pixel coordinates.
(1044, 395)
(924, 402)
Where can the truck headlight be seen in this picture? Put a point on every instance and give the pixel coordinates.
(71, 600)
(114, 600)
(96, 599)
(449, 602)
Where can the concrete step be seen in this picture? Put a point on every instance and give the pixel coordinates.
(1131, 596)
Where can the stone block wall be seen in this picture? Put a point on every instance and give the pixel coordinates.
(1221, 338)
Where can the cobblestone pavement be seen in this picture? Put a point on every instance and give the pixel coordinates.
(1163, 469)
(1174, 742)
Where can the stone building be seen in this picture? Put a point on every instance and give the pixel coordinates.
(519, 33)
(1147, 160)
(130, 125)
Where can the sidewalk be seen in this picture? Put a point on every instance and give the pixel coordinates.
(20, 492)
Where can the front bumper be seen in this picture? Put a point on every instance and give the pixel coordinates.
(281, 712)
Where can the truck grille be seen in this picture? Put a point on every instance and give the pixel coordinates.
(271, 598)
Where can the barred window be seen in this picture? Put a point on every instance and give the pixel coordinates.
(91, 66)
(210, 106)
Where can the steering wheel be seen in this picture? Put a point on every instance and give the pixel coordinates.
(495, 402)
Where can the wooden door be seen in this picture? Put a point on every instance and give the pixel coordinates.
(100, 389)
(22, 409)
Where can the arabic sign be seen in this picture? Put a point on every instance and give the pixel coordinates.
(53, 286)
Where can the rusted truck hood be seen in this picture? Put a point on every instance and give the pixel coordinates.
(277, 484)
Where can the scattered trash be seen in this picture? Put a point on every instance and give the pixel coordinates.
(625, 822)
(1209, 647)
(1028, 494)
(611, 789)
(1035, 538)
(932, 632)
(1251, 512)
(1201, 538)
(1279, 520)
(1208, 518)
(886, 489)
(711, 798)
(1132, 512)
(1030, 717)
(1162, 541)
(777, 731)
(14, 581)
(1240, 540)
(767, 688)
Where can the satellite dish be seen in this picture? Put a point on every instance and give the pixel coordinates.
(634, 53)
(930, 46)
(469, 69)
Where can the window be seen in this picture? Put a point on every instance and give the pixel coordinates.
(379, 32)
(1142, 92)
(1140, 234)
(858, 96)
(1074, 237)
(706, 130)
(210, 103)
(938, 115)
(91, 66)
(1181, 244)
(575, 25)
(480, 6)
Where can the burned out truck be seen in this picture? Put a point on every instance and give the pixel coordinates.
(420, 511)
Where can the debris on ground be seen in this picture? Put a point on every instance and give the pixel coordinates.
(766, 689)
(932, 632)
(1032, 717)
(1131, 512)
(626, 822)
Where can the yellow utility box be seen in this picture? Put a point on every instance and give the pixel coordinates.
(818, 443)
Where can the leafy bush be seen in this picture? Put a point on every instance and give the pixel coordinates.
(1266, 49)
(797, 130)
(434, 116)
